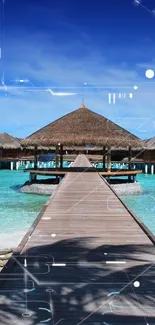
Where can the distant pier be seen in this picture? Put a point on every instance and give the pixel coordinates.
(117, 168)
(14, 164)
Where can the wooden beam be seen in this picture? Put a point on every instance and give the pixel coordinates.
(104, 156)
(129, 158)
(109, 159)
(129, 162)
(56, 157)
(35, 158)
(34, 177)
(61, 156)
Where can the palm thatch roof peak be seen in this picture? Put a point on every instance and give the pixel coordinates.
(83, 106)
(7, 141)
(83, 127)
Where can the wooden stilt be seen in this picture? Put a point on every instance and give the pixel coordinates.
(56, 157)
(129, 162)
(104, 156)
(109, 159)
(35, 161)
(61, 156)
(129, 158)
(35, 158)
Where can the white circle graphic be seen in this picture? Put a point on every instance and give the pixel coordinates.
(136, 284)
(149, 73)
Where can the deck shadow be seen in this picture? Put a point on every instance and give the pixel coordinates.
(87, 290)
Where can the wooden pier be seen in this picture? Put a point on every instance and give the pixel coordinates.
(86, 260)
(61, 172)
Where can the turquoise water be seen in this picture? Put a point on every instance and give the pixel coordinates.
(143, 205)
(17, 210)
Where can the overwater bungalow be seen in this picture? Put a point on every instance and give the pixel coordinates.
(12, 154)
(84, 129)
(10, 150)
(9, 144)
(149, 153)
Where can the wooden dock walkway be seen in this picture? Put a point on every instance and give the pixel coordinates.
(88, 261)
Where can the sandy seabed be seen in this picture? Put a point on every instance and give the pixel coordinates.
(49, 189)
(11, 240)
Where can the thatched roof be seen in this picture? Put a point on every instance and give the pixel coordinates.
(83, 127)
(150, 143)
(7, 141)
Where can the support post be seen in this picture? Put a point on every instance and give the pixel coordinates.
(17, 165)
(1, 152)
(109, 159)
(35, 158)
(34, 177)
(11, 165)
(146, 169)
(129, 158)
(104, 156)
(152, 169)
(56, 157)
(129, 162)
(61, 156)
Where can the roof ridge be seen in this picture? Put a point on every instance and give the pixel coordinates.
(83, 106)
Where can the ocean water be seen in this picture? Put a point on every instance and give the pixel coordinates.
(143, 205)
(17, 210)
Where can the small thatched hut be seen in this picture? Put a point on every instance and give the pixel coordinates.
(83, 127)
(149, 153)
(9, 146)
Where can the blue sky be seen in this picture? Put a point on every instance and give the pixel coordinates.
(60, 45)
